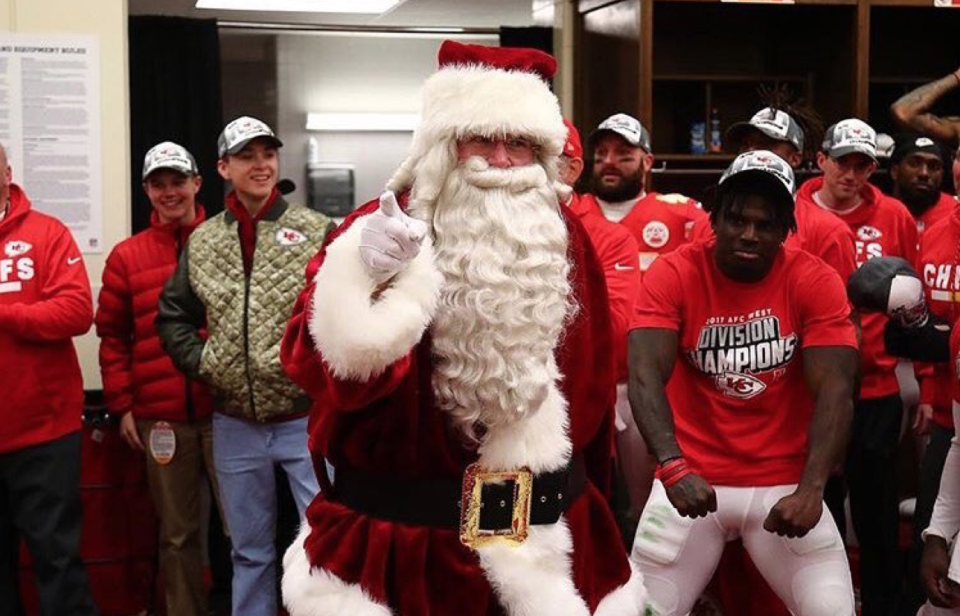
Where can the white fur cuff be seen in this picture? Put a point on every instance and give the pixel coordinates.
(318, 592)
(357, 336)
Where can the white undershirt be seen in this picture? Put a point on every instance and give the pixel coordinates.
(819, 201)
(618, 210)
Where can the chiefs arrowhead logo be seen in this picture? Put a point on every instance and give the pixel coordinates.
(290, 237)
(868, 233)
(15, 248)
(741, 386)
(656, 234)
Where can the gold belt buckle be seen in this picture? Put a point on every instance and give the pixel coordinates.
(474, 478)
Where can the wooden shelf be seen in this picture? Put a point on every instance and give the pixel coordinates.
(728, 78)
(694, 158)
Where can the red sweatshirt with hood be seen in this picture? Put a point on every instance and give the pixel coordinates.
(883, 227)
(44, 302)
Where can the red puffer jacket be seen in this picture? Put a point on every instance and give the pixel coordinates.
(137, 375)
(44, 302)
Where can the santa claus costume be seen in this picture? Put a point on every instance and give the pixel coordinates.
(471, 393)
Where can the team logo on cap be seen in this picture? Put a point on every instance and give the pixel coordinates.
(923, 142)
(868, 233)
(656, 234)
(15, 248)
(289, 237)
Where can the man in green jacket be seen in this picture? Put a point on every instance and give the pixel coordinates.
(239, 277)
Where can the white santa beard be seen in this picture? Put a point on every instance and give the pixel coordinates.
(501, 246)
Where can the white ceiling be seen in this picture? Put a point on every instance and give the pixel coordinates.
(410, 13)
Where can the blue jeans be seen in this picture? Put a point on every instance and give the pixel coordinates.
(245, 453)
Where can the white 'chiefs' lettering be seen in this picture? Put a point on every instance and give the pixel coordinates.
(868, 250)
(945, 276)
(16, 269)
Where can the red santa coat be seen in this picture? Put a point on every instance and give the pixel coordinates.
(374, 411)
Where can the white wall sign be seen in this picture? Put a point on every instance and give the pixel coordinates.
(50, 126)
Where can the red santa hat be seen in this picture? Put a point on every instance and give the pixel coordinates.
(490, 91)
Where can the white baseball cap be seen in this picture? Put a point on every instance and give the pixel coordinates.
(169, 155)
(764, 166)
(774, 123)
(627, 127)
(238, 133)
(850, 136)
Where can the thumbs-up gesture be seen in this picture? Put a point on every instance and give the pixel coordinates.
(390, 239)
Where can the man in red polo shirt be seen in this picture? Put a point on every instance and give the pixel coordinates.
(621, 160)
(742, 365)
(883, 227)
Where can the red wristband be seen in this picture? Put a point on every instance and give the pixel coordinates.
(672, 472)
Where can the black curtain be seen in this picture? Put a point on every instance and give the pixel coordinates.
(175, 95)
(537, 37)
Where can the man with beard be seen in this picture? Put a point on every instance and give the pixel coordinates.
(457, 346)
(883, 227)
(916, 168)
(621, 161)
(742, 366)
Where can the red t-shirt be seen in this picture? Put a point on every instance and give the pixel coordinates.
(740, 402)
(818, 232)
(883, 227)
(659, 223)
(939, 267)
(617, 251)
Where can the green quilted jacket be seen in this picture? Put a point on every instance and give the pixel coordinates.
(245, 316)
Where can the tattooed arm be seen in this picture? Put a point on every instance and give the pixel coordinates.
(912, 110)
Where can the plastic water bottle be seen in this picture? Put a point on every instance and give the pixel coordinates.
(715, 143)
(313, 151)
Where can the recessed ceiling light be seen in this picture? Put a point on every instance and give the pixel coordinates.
(301, 6)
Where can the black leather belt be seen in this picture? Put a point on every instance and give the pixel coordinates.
(438, 502)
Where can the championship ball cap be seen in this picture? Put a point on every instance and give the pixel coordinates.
(169, 155)
(627, 127)
(238, 133)
(762, 165)
(774, 123)
(851, 136)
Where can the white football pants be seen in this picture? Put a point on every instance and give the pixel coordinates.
(679, 555)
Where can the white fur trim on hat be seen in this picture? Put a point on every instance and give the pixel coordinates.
(309, 591)
(359, 337)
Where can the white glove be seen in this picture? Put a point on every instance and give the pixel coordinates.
(390, 239)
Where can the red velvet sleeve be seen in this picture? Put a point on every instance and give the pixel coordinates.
(303, 363)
